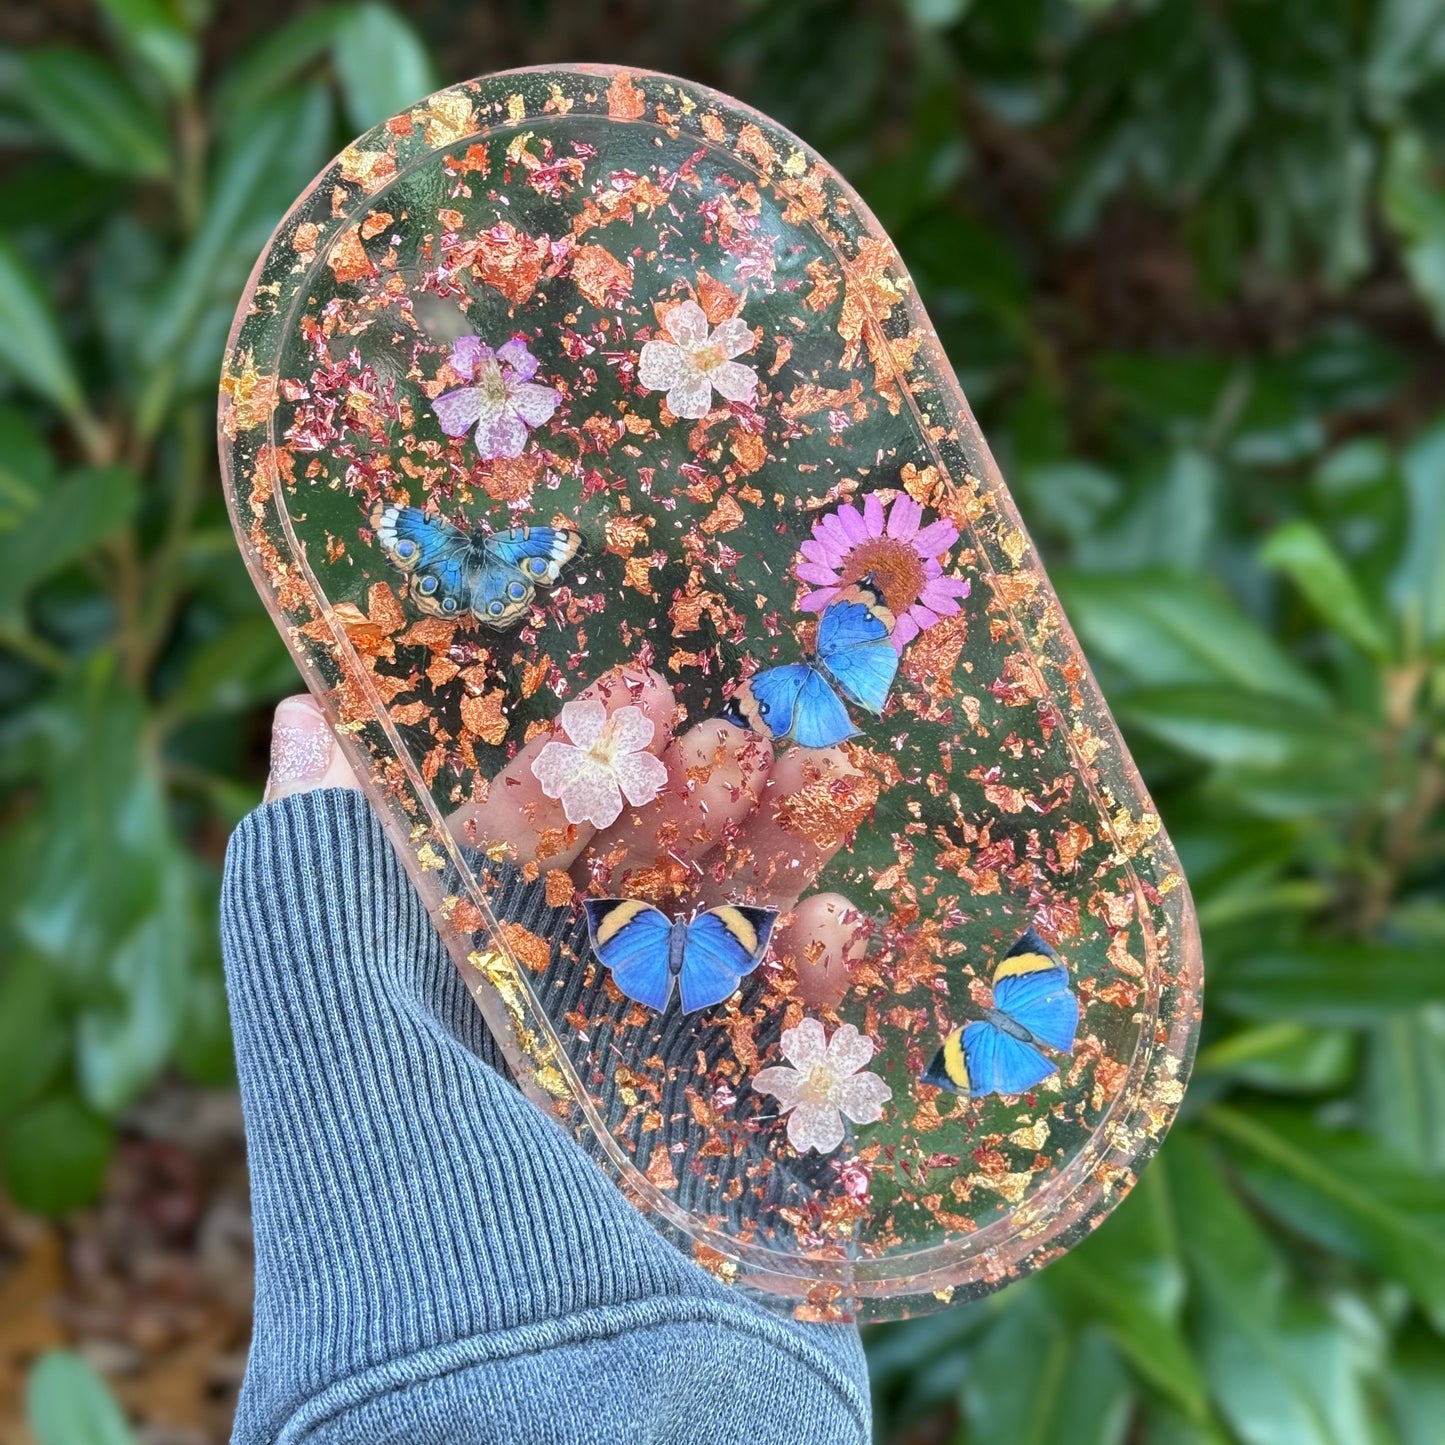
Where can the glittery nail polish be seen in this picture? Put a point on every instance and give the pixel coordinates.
(301, 743)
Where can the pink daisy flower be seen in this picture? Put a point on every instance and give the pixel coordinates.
(905, 560)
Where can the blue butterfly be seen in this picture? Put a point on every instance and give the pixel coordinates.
(1032, 1005)
(491, 578)
(708, 956)
(854, 659)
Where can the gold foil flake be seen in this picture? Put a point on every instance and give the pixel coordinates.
(509, 260)
(431, 861)
(600, 276)
(370, 170)
(1133, 833)
(1031, 1136)
(250, 397)
(347, 258)
(446, 118)
(557, 102)
(516, 109)
(726, 516)
(625, 101)
(660, 1171)
(534, 952)
(485, 716)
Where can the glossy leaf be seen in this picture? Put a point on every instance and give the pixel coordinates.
(151, 31)
(1303, 552)
(68, 1403)
(53, 1156)
(89, 107)
(32, 348)
(1346, 1193)
(84, 509)
(1330, 982)
(382, 64)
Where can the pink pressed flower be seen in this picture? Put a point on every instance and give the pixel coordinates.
(826, 1081)
(605, 759)
(503, 403)
(697, 360)
(903, 558)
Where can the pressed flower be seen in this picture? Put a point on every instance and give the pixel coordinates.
(887, 542)
(503, 403)
(605, 759)
(825, 1082)
(698, 361)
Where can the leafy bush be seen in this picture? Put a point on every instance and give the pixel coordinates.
(1190, 262)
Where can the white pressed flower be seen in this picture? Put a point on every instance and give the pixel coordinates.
(605, 759)
(698, 361)
(826, 1081)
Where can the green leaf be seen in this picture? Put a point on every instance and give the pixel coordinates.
(382, 64)
(79, 513)
(33, 1035)
(1303, 553)
(1129, 1277)
(1405, 1086)
(121, 1047)
(1285, 1057)
(270, 157)
(151, 32)
(31, 346)
(1329, 983)
(245, 665)
(1413, 200)
(1250, 730)
(27, 469)
(92, 110)
(55, 1155)
(1419, 586)
(67, 1403)
(284, 56)
(1278, 1370)
(1073, 1388)
(1166, 628)
(1415, 1389)
(1345, 1193)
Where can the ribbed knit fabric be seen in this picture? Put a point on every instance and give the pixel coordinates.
(436, 1261)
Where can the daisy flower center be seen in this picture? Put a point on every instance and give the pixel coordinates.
(896, 567)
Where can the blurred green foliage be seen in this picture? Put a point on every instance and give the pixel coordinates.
(1189, 260)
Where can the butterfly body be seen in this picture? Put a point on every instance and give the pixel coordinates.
(491, 579)
(707, 955)
(854, 660)
(1033, 1009)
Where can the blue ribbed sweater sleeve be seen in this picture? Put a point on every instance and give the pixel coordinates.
(436, 1261)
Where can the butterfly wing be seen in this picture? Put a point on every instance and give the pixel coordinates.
(515, 563)
(949, 1069)
(1031, 985)
(631, 938)
(440, 558)
(723, 945)
(538, 553)
(854, 647)
(794, 701)
(999, 1064)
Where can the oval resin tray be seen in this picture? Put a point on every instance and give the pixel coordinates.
(576, 410)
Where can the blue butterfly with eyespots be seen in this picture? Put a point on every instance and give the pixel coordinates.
(1032, 1006)
(708, 955)
(491, 579)
(854, 659)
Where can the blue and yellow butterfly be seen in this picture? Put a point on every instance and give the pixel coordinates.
(1032, 1005)
(490, 578)
(707, 955)
(853, 659)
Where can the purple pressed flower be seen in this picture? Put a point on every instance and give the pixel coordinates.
(503, 403)
(885, 542)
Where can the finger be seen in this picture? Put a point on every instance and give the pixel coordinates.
(819, 944)
(814, 800)
(716, 775)
(304, 754)
(519, 817)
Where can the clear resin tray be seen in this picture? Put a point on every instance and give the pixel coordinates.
(587, 440)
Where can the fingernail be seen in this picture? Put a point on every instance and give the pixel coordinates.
(301, 742)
